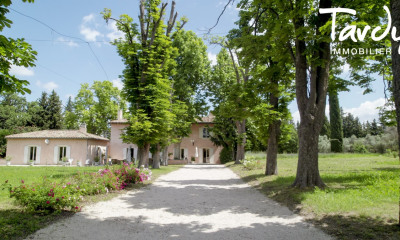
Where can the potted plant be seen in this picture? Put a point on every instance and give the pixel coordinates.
(8, 160)
(96, 161)
(169, 155)
(192, 159)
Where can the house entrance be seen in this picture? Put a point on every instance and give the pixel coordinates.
(206, 155)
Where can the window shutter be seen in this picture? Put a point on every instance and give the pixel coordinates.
(55, 154)
(124, 153)
(26, 153)
(38, 154)
(211, 155)
(200, 132)
(200, 155)
(68, 153)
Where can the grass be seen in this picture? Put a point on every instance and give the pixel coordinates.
(361, 200)
(15, 223)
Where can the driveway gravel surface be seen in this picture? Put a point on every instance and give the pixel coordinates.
(194, 202)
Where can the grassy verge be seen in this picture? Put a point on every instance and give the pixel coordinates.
(361, 200)
(15, 223)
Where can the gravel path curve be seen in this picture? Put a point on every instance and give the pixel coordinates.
(194, 202)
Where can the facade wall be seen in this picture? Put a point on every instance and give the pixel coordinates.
(189, 144)
(118, 149)
(46, 154)
(96, 148)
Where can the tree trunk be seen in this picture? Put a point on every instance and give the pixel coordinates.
(273, 133)
(311, 91)
(143, 155)
(272, 151)
(395, 12)
(156, 157)
(165, 156)
(241, 130)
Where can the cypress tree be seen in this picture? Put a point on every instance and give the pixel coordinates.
(55, 118)
(336, 122)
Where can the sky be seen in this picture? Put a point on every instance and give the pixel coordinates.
(72, 41)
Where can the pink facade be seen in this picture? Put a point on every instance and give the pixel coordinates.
(197, 145)
(48, 153)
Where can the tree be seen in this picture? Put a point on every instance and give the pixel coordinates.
(70, 118)
(149, 57)
(55, 118)
(95, 106)
(43, 115)
(15, 52)
(336, 124)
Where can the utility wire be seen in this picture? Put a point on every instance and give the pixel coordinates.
(80, 39)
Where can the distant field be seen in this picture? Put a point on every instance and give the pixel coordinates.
(362, 192)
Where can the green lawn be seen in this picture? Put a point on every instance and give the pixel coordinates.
(15, 223)
(361, 200)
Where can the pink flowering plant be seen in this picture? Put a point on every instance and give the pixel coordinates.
(47, 197)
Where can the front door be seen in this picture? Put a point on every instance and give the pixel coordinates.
(206, 155)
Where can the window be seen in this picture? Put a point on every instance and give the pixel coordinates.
(32, 153)
(206, 134)
(182, 153)
(62, 152)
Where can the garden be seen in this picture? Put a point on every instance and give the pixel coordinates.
(33, 197)
(362, 190)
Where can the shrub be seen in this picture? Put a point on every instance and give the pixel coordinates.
(324, 145)
(48, 197)
(359, 148)
(225, 155)
(251, 163)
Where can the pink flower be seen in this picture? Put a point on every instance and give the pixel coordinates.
(48, 202)
(62, 197)
(57, 199)
(22, 181)
(76, 207)
(33, 189)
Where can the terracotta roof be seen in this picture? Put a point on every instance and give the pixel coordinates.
(59, 134)
(120, 121)
(207, 119)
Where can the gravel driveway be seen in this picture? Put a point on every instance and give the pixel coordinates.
(194, 202)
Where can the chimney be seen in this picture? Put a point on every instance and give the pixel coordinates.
(120, 115)
(82, 128)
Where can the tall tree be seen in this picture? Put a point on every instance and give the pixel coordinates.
(55, 118)
(336, 124)
(149, 57)
(70, 118)
(43, 114)
(95, 106)
(15, 52)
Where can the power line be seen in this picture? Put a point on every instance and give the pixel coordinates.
(64, 35)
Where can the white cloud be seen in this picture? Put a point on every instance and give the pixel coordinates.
(296, 116)
(69, 43)
(213, 58)
(88, 18)
(367, 111)
(115, 33)
(49, 86)
(21, 71)
(117, 83)
(88, 32)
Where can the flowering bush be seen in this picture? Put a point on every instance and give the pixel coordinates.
(251, 163)
(49, 197)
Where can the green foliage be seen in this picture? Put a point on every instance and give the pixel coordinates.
(374, 144)
(226, 155)
(95, 106)
(47, 197)
(251, 163)
(324, 145)
(150, 61)
(15, 52)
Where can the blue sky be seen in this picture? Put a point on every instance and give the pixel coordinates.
(64, 63)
